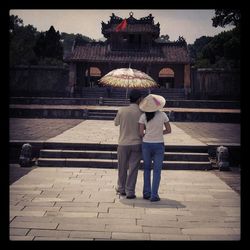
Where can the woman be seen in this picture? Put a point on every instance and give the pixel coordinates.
(151, 125)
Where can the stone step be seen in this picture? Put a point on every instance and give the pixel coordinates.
(219, 104)
(37, 146)
(187, 165)
(113, 102)
(94, 154)
(167, 96)
(103, 112)
(96, 163)
(113, 147)
(175, 116)
(80, 162)
(99, 117)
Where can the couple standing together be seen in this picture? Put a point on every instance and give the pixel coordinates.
(142, 126)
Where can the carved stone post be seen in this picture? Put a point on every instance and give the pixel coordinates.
(25, 159)
(222, 157)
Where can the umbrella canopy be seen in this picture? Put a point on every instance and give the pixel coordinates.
(128, 78)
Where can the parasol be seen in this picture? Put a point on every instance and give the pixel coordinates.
(128, 78)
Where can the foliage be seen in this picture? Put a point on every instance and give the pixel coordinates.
(22, 40)
(195, 49)
(14, 23)
(225, 17)
(67, 42)
(222, 50)
(181, 39)
(28, 46)
(49, 45)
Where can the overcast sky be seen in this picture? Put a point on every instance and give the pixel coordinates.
(191, 24)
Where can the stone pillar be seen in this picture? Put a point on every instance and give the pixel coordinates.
(88, 76)
(72, 79)
(148, 67)
(178, 75)
(187, 82)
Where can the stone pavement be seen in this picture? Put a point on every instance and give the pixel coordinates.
(38, 129)
(44, 129)
(174, 109)
(104, 132)
(209, 133)
(81, 203)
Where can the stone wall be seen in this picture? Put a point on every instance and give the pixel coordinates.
(38, 81)
(215, 84)
(53, 81)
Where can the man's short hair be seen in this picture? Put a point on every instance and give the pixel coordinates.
(134, 95)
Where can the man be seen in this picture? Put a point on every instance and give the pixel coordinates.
(129, 145)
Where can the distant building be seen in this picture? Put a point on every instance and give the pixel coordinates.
(168, 63)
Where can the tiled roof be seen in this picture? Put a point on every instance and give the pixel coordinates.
(100, 52)
(134, 28)
(142, 25)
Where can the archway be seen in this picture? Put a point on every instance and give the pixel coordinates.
(166, 78)
(94, 76)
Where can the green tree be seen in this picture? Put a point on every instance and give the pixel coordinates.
(49, 45)
(232, 49)
(22, 40)
(68, 41)
(15, 22)
(222, 50)
(54, 45)
(195, 49)
(28, 46)
(40, 46)
(225, 17)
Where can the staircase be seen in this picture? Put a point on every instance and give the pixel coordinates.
(115, 102)
(119, 93)
(105, 156)
(101, 114)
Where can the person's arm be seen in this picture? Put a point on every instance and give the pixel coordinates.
(117, 119)
(141, 129)
(167, 129)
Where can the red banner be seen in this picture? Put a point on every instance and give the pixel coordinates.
(121, 26)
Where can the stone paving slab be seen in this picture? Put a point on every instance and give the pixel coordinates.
(98, 213)
(38, 129)
(44, 129)
(41, 106)
(212, 133)
(105, 132)
(81, 204)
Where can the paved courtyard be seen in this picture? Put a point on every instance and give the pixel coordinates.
(81, 203)
(44, 129)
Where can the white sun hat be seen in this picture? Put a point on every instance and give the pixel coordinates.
(152, 103)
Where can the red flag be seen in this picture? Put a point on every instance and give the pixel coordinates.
(122, 25)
